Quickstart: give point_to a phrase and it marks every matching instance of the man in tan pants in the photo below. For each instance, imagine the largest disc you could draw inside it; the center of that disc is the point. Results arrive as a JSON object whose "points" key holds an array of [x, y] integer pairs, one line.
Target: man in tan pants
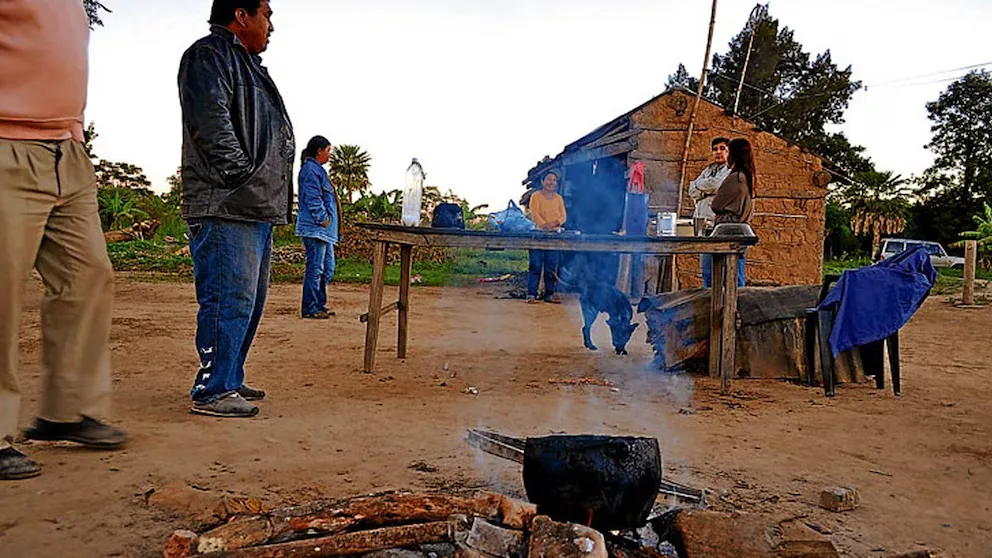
{"points": [[49, 220]]}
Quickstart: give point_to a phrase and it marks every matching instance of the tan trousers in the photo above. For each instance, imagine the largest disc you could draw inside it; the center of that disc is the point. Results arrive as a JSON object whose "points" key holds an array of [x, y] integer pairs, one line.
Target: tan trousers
{"points": [[49, 220]]}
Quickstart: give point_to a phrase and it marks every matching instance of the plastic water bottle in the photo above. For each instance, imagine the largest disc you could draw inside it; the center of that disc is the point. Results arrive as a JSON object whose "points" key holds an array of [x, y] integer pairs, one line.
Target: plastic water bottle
{"points": [[413, 194]]}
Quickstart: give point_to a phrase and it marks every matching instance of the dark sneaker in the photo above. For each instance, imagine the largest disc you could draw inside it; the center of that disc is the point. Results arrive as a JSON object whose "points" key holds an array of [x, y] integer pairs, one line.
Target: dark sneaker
{"points": [[250, 393], [88, 432], [231, 405], [14, 465], [317, 316]]}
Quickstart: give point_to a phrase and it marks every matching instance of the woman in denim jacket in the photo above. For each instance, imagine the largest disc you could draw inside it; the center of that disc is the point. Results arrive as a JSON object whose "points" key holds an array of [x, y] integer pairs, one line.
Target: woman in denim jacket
{"points": [[317, 222]]}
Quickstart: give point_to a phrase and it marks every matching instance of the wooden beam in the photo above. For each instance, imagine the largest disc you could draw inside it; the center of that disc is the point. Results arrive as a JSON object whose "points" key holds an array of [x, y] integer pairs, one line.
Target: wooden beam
{"points": [[416, 236], [406, 268], [970, 261], [364, 318], [612, 150], [728, 337], [716, 315], [375, 302], [611, 139]]}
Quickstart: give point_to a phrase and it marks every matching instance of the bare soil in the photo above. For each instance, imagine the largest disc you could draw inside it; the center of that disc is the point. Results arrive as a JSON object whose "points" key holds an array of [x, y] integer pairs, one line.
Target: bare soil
{"points": [[922, 462]]}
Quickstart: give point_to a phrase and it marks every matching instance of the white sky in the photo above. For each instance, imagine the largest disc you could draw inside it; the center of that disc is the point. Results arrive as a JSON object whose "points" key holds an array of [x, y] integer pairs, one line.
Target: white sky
{"points": [[481, 90]]}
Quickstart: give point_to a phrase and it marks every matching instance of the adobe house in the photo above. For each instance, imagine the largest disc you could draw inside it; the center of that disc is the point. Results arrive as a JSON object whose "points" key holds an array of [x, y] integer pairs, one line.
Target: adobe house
{"points": [[790, 197]]}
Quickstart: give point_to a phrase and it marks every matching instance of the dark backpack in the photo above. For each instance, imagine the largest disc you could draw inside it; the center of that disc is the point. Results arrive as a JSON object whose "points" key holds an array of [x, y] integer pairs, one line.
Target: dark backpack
{"points": [[448, 216]]}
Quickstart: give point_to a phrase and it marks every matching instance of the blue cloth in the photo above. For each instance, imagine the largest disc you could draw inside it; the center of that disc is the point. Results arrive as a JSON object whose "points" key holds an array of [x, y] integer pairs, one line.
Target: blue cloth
{"points": [[706, 264], [231, 263], [546, 261], [873, 302], [319, 272], [636, 216], [317, 203]]}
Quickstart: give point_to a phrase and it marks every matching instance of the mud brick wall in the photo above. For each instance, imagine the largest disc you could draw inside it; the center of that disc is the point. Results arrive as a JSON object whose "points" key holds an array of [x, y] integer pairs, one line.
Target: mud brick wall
{"points": [[790, 209]]}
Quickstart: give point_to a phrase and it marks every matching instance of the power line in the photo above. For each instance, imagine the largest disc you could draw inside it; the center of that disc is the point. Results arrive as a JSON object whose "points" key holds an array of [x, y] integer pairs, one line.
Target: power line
{"points": [[931, 74]]}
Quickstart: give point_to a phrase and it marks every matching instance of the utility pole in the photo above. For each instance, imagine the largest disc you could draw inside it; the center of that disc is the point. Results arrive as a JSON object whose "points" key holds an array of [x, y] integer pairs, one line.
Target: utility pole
{"points": [[752, 23]]}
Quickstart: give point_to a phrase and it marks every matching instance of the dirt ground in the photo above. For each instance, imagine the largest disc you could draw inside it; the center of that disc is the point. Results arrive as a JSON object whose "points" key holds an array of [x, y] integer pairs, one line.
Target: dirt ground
{"points": [[922, 463]]}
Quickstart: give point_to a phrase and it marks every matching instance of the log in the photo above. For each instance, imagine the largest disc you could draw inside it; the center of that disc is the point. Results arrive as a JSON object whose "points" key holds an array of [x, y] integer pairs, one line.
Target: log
{"points": [[970, 258], [388, 509], [236, 534], [349, 544]]}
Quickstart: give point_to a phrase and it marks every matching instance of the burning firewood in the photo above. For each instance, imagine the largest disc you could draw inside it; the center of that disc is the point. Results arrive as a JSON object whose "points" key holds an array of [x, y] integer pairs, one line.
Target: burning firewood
{"points": [[348, 544], [390, 509]]}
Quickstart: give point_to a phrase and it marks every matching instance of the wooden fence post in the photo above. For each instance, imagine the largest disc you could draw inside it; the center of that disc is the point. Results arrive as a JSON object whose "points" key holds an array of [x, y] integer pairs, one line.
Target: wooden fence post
{"points": [[970, 260]]}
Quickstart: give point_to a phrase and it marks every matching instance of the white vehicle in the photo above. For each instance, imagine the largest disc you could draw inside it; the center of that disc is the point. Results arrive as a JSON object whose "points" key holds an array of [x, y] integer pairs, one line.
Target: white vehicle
{"points": [[938, 256]]}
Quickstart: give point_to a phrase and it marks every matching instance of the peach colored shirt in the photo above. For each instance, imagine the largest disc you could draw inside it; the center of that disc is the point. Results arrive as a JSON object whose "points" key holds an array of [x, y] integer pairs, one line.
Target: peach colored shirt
{"points": [[544, 210], [44, 69]]}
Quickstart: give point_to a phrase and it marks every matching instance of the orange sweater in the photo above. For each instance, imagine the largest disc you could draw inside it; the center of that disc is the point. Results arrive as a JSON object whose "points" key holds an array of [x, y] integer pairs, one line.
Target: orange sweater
{"points": [[544, 211], [43, 69]]}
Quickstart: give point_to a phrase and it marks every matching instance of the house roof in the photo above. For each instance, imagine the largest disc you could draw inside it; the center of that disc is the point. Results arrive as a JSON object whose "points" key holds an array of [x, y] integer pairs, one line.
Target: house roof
{"points": [[622, 123]]}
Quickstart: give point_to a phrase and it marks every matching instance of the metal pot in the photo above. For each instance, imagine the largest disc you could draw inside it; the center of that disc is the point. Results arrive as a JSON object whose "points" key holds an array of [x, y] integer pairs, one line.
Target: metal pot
{"points": [[608, 482]]}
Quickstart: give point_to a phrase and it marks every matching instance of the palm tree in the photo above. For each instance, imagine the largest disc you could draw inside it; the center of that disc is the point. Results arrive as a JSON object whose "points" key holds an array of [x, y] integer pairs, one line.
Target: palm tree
{"points": [[349, 171], [878, 202], [982, 234]]}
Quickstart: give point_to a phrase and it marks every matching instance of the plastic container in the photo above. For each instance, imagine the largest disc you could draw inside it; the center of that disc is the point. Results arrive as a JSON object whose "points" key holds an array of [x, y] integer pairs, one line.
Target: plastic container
{"points": [[413, 194], [666, 224]]}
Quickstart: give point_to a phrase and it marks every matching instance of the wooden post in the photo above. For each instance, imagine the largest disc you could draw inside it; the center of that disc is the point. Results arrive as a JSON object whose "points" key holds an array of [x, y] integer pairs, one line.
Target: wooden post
{"points": [[375, 303], [406, 268], [970, 261], [728, 343], [716, 314]]}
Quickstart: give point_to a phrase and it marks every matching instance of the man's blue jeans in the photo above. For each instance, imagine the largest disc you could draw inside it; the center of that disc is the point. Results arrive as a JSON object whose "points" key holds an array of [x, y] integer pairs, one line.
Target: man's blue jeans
{"points": [[706, 263], [545, 261], [319, 272], [231, 264]]}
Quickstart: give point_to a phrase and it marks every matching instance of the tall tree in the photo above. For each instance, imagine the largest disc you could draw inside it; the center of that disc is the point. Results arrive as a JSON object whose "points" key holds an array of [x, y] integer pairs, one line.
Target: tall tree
{"points": [[174, 197], [93, 9], [786, 90], [122, 175], [960, 179], [349, 171]]}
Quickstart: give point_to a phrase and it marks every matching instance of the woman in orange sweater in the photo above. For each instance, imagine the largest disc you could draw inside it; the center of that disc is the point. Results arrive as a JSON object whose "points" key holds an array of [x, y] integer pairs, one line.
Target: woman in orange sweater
{"points": [[547, 209]]}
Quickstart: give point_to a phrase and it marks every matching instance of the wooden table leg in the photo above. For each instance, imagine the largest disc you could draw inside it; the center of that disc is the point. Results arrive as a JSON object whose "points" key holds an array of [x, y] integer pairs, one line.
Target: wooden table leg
{"points": [[716, 315], [728, 343], [375, 303], [406, 269]]}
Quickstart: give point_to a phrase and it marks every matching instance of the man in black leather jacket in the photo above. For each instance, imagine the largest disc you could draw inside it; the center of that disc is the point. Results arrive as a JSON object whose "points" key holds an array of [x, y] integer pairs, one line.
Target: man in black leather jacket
{"points": [[237, 165]]}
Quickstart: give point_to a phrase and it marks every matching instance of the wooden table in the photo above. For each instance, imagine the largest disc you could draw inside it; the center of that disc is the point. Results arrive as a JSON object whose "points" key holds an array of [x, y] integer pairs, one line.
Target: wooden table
{"points": [[726, 251]]}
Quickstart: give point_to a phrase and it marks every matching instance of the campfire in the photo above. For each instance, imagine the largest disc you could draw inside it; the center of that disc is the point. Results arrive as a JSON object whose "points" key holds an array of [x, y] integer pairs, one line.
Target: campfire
{"points": [[590, 497]]}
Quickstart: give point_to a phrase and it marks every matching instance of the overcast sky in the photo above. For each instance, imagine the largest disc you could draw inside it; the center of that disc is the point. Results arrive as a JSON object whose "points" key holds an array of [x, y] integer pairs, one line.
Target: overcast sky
{"points": [[481, 90]]}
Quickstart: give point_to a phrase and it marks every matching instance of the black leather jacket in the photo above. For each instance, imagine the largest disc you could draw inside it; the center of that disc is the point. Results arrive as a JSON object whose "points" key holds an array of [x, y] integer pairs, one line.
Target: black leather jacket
{"points": [[238, 147]]}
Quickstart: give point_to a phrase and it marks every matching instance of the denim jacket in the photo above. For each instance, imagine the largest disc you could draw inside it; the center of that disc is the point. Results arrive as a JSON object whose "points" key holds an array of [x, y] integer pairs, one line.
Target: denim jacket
{"points": [[317, 203]]}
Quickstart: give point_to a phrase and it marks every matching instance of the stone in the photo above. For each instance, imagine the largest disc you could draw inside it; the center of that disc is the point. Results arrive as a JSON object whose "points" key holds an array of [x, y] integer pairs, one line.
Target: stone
{"points": [[181, 543], [840, 499], [200, 508], [550, 539], [440, 550], [495, 541], [700, 534], [516, 514]]}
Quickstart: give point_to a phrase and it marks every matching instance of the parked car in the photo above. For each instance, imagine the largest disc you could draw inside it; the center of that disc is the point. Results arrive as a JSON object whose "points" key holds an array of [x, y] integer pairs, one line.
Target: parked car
{"points": [[938, 256]]}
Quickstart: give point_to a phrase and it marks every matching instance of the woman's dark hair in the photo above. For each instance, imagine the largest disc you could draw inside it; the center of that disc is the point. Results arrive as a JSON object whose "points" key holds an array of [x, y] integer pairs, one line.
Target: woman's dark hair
{"points": [[741, 159], [549, 173], [315, 144], [222, 12]]}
